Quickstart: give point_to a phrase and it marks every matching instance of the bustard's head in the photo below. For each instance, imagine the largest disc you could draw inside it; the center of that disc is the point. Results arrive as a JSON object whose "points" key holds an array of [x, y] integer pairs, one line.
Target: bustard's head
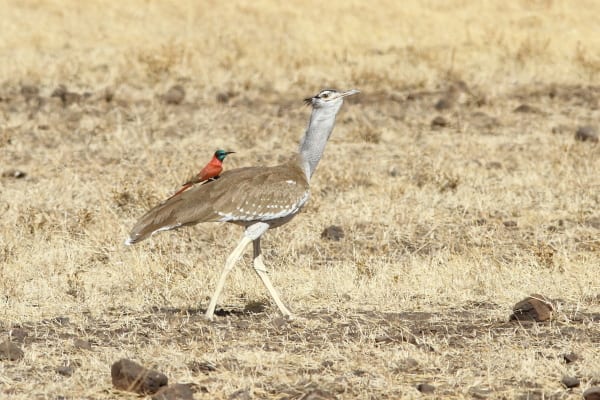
{"points": [[329, 98], [221, 154]]}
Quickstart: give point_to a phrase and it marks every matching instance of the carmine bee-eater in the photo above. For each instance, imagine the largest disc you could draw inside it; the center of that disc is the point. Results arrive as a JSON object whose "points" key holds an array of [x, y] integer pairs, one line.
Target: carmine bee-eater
{"points": [[210, 171]]}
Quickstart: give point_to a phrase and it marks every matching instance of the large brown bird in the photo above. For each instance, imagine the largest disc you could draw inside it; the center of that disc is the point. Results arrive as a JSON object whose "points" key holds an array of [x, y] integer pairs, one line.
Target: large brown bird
{"points": [[257, 198]]}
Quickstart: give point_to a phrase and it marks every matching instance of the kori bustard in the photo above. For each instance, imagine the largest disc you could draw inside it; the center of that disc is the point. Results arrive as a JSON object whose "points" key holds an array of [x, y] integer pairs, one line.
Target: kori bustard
{"points": [[257, 198]]}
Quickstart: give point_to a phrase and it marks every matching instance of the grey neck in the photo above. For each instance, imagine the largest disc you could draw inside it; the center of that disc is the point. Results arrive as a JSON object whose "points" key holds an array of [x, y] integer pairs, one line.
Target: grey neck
{"points": [[320, 126]]}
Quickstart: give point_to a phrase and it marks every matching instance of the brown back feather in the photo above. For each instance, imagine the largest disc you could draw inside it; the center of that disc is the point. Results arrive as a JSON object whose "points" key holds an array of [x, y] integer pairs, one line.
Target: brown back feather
{"points": [[242, 194]]}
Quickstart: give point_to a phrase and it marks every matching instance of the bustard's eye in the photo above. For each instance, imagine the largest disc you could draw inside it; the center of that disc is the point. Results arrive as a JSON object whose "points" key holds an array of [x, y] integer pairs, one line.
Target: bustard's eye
{"points": [[325, 95]]}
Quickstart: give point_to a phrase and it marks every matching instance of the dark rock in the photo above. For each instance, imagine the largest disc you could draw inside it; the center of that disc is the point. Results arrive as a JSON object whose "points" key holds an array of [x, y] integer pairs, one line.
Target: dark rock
{"points": [[493, 165], [82, 344], [178, 391], [29, 91], [10, 351], [425, 388], [14, 173], [534, 308], [480, 392], [242, 394], [202, 366], [570, 381], [570, 357], [255, 307], [17, 334], [592, 393], [587, 134], [526, 108], [444, 103], [175, 95], [333, 232], [510, 224], [130, 376], [224, 97], [65, 370], [65, 96], [439, 122]]}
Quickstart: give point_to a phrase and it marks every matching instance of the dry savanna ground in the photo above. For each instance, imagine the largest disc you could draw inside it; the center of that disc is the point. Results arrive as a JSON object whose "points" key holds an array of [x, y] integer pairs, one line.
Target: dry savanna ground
{"points": [[456, 178]]}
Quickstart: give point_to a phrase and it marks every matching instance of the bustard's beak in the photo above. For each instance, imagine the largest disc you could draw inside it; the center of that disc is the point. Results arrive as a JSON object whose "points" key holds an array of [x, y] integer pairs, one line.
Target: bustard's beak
{"points": [[350, 92]]}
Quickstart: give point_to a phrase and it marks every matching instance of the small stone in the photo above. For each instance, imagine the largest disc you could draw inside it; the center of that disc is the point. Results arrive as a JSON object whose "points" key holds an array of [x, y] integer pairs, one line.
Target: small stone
{"points": [[14, 173], [592, 393], [510, 224], [425, 388], [17, 334], [526, 108], [570, 381], [241, 394], [439, 122], [444, 104], [175, 95], [255, 307], [493, 165], [333, 232], [82, 344], [587, 134], [202, 366], [10, 351], [570, 357], [29, 91], [130, 376], [178, 391], [393, 171], [222, 97], [534, 308], [65, 370]]}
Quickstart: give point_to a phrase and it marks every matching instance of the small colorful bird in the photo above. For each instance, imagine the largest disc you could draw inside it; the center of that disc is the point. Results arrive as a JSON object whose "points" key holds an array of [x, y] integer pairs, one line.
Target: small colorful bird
{"points": [[210, 171]]}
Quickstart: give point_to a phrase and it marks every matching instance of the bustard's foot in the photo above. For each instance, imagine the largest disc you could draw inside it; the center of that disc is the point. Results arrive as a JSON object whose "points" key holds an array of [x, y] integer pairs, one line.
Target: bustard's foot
{"points": [[209, 316]]}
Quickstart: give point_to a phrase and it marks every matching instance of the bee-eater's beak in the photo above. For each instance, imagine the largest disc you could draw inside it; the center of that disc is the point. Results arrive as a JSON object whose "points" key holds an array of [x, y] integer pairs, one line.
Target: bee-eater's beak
{"points": [[229, 152]]}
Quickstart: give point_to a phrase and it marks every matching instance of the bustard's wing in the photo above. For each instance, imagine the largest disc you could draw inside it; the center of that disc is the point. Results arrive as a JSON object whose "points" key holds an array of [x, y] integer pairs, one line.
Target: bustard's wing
{"points": [[239, 195]]}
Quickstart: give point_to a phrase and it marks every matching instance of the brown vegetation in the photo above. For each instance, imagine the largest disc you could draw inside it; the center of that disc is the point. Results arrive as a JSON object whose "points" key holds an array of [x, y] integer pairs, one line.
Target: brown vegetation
{"points": [[457, 179]]}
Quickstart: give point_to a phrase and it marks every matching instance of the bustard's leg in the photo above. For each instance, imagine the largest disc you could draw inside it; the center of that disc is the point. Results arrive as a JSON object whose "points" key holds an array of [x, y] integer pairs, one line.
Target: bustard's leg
{"points": [[261, 270], [233, 257]]}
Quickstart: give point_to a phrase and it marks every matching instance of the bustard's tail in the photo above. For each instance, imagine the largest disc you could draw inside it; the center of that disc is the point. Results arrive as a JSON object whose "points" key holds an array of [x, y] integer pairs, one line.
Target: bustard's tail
{"points": [[177, 211]]}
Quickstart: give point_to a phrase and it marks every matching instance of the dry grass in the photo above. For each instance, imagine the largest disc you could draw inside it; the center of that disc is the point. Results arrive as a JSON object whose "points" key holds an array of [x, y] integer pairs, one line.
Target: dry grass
{"points": [[445, 228]]}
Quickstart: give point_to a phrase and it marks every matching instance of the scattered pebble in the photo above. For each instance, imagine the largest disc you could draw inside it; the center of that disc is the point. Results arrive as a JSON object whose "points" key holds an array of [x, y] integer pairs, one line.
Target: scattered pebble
{"points": [[425, 388], [17, 335], [130, 376], [14, 173], [65, 96], [29, 91], [570, 381], [202, 366], [444, 104], [533, 308], [587, 134], [592, 393], [510, 224], [526, 108], [255, 307], [65, 370], [570, 357], [439, 122], [174, 95], [333, 232], [178, 391], [10, 351]]}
